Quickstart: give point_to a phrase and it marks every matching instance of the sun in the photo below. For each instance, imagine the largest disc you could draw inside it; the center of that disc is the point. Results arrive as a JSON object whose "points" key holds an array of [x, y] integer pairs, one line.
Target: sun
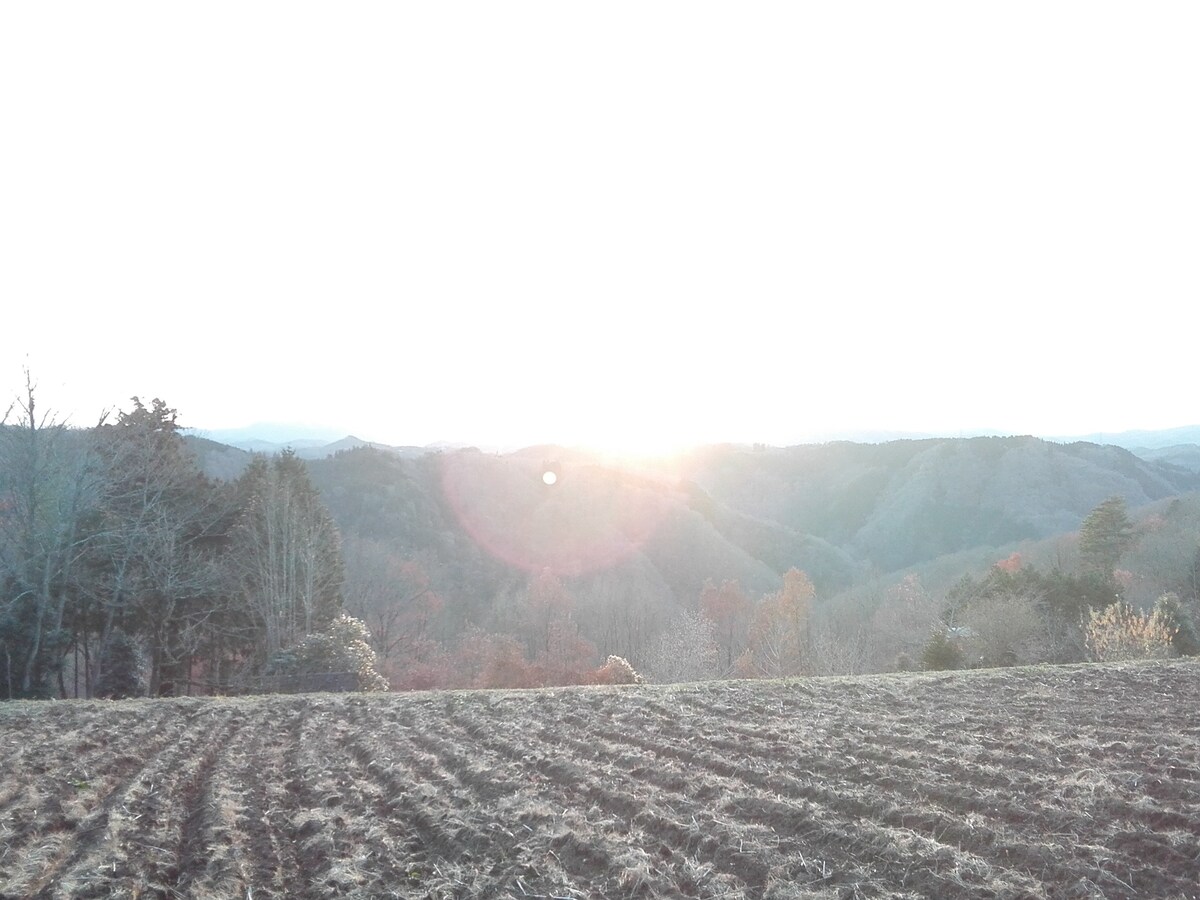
{"points": [[635, 434], [625, 425], [635, 446]]}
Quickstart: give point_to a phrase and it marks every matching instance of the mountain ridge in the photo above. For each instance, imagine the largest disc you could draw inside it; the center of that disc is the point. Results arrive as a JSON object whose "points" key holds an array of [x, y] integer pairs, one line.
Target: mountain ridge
{"points": [[636, 545], [272, 437], [838, 511]]}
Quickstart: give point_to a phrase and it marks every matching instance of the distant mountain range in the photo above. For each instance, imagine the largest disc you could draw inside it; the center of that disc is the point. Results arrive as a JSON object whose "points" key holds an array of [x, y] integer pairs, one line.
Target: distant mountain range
{"points": [[1185, 456], [281, 434], [1171, 446], [842, 511], [251, 440], [1144, 440]]}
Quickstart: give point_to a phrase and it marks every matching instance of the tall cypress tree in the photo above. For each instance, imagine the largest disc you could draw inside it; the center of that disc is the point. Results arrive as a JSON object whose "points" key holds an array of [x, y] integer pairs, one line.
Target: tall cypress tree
{"points": [[159, 515], [1105, 535]]}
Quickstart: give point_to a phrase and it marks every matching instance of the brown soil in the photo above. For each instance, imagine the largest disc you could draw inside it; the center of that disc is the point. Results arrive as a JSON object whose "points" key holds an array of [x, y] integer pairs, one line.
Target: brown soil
{"points": [[1072, 782]]}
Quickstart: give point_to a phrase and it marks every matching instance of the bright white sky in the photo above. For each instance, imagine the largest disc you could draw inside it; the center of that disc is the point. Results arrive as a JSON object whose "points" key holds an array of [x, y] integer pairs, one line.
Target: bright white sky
{"points": [[637, 225]]}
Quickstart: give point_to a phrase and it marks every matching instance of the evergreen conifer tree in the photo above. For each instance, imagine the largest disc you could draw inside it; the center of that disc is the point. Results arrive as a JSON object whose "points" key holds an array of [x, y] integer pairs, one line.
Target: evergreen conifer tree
{"points": [[1105, 535]]}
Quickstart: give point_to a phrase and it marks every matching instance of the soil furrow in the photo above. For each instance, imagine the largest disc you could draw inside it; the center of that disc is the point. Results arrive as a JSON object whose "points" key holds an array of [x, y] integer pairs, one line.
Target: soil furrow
{"points": [[704, 838], [840, 809], [1003, 784], [136, 846], [423, 780], [71, 813], [222, 853]]}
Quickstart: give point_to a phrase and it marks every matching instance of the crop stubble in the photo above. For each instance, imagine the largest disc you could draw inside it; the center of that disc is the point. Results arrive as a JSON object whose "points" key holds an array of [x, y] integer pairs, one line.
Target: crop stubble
{"points": [[1058, 782]]}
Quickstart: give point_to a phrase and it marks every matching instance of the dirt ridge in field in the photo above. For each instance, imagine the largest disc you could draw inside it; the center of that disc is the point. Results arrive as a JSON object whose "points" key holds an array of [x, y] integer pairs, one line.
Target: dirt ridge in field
{"points": [[1071, 782]]}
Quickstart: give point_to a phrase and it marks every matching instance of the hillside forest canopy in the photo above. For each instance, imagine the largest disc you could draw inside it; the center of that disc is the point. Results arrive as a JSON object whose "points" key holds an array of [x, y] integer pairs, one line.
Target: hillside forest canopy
{"points": [[135, 559]]}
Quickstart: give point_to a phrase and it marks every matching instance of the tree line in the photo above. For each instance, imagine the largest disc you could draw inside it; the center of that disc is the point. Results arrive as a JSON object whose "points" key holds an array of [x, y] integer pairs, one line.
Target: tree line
{"points": [[124, 570]]}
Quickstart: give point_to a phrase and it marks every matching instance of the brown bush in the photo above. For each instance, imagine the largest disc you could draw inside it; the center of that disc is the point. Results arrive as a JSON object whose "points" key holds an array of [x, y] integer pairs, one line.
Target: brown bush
{"points": [[616, 670], [1117, 633]]}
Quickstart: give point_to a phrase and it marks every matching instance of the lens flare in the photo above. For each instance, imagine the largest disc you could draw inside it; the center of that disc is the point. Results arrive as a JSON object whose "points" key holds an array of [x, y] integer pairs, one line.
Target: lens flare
{"points": [[593, 520]]}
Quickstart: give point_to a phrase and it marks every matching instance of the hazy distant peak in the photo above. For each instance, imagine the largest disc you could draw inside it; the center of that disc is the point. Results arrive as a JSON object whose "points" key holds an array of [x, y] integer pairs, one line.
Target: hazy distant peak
{"points": [[1142, 439], [278, 434]]}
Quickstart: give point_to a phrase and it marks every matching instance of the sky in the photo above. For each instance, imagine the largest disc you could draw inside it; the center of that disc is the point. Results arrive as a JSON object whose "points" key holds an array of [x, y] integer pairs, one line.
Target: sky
{"points": [[633, 226]]}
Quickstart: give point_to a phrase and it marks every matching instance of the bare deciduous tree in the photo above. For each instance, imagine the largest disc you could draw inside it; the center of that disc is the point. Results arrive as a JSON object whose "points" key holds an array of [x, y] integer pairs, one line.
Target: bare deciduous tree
{"points": [[686, 650], [392, 595], [49, 487], [288, 555]]}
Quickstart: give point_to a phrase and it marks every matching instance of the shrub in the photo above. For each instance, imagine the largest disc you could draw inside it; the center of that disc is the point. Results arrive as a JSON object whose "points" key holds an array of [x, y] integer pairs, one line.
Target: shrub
{"points": [[505, 666], [617, 670], [941, 652], [120, 668], [486, 660], [342, 647], [1003, 630], [426, 666], [1180, 621], [1117, 632]]}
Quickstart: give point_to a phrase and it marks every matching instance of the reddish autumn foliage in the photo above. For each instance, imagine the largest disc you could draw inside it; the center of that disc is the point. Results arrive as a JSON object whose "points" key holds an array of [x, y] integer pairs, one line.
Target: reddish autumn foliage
{"points": [[1012, 564], [779, 634]]}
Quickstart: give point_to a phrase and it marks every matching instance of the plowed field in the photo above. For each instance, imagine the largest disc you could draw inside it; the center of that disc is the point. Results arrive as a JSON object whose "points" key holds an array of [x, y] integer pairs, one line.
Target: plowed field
{"points": [[1053, 782]]}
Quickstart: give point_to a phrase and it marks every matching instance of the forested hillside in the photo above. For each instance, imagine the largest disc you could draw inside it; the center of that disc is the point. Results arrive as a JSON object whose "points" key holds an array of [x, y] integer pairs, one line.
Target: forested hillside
{"points": [[901, 503], [190, 565], [636, 550], [832, 509]]}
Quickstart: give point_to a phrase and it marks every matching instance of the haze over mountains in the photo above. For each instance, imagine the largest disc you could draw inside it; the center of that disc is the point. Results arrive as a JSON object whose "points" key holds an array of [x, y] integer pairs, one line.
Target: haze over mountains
{"points": [[1142, 439], [844, 512], [316, 441]]}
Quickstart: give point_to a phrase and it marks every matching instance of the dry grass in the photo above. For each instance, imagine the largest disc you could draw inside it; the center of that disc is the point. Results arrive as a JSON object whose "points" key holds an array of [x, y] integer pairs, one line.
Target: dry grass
{"points": [[1058, 782]]}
